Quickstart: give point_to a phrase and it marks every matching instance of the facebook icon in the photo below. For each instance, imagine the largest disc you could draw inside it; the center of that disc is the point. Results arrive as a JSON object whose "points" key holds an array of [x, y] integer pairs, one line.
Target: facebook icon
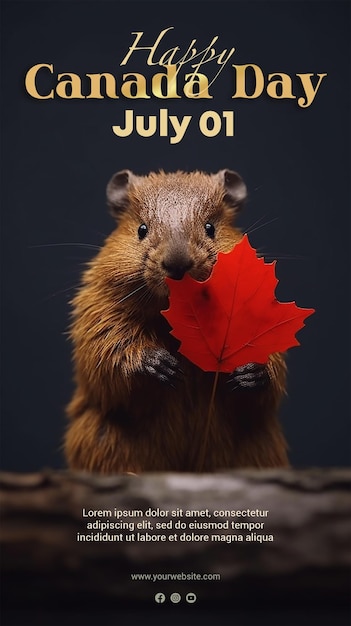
{"points": [[160, 597]]}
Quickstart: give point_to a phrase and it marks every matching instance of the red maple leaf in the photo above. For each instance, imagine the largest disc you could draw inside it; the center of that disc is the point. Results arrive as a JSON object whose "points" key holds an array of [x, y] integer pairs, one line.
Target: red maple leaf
{"points": [[233, 317]]}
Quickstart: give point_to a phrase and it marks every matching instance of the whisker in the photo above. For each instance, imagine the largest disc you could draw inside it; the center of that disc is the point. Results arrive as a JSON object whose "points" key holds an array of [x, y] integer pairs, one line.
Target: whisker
{"points": [[144, 298], [252, 230], [68, 243], [132, 278], [286, 257], [61, 291], [143, 286], [256, 222]]}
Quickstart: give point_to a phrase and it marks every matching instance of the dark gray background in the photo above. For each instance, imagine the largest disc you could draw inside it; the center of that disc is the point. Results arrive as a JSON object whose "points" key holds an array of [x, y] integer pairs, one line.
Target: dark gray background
{"points": [[58, 156]]}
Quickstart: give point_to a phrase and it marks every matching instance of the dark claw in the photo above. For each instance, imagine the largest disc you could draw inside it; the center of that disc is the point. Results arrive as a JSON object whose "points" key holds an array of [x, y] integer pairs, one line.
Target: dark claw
{"points": [[249, 376], [162, 365]]}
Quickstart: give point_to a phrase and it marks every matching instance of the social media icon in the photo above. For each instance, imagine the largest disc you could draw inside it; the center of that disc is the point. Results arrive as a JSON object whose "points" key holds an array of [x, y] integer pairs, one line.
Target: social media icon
{"points": [[160, 598], [175, 598], [190, 597]]}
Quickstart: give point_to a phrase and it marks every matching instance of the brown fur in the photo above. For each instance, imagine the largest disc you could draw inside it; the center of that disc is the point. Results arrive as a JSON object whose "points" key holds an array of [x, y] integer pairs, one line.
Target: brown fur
{"points": [[122, 419]]}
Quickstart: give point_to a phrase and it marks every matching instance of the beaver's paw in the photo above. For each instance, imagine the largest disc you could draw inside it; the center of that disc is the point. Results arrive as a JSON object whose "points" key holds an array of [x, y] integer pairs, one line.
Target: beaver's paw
{"points": [[249, 376], [162, 365]]}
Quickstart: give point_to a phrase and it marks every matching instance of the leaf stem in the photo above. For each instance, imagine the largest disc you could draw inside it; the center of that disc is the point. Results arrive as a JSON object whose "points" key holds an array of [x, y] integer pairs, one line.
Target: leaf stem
{"points": [[203, 449]]}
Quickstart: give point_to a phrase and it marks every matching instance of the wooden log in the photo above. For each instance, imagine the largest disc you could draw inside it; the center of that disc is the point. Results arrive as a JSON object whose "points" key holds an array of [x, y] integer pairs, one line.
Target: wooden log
{"points": [[307, 557]]}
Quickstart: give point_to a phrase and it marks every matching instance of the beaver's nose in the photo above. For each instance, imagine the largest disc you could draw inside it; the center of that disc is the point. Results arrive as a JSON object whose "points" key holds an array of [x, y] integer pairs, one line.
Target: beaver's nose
{"points": [[176, 267]]}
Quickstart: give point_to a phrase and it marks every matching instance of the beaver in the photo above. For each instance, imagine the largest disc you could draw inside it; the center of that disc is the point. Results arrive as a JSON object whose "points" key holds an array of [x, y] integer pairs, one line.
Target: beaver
{"points": [[138, 404]]}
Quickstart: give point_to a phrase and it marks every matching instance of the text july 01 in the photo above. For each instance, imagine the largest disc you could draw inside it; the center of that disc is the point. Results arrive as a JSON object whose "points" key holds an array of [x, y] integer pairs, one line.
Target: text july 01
{"points": [[163, 124]]}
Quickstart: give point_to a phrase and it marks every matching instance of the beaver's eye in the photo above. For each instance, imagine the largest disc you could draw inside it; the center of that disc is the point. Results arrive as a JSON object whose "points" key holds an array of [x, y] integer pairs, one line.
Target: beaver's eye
{"points": [[210, 230], [142, 231]]}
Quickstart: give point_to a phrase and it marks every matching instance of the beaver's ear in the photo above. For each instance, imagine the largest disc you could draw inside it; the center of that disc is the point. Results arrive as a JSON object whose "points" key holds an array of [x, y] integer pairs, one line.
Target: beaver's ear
{"points": [[235, 188], [118, 191]]}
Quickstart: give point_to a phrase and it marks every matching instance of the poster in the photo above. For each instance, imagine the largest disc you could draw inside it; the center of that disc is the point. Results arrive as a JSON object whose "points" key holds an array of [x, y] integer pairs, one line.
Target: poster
{"points": [[273, 106]]}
